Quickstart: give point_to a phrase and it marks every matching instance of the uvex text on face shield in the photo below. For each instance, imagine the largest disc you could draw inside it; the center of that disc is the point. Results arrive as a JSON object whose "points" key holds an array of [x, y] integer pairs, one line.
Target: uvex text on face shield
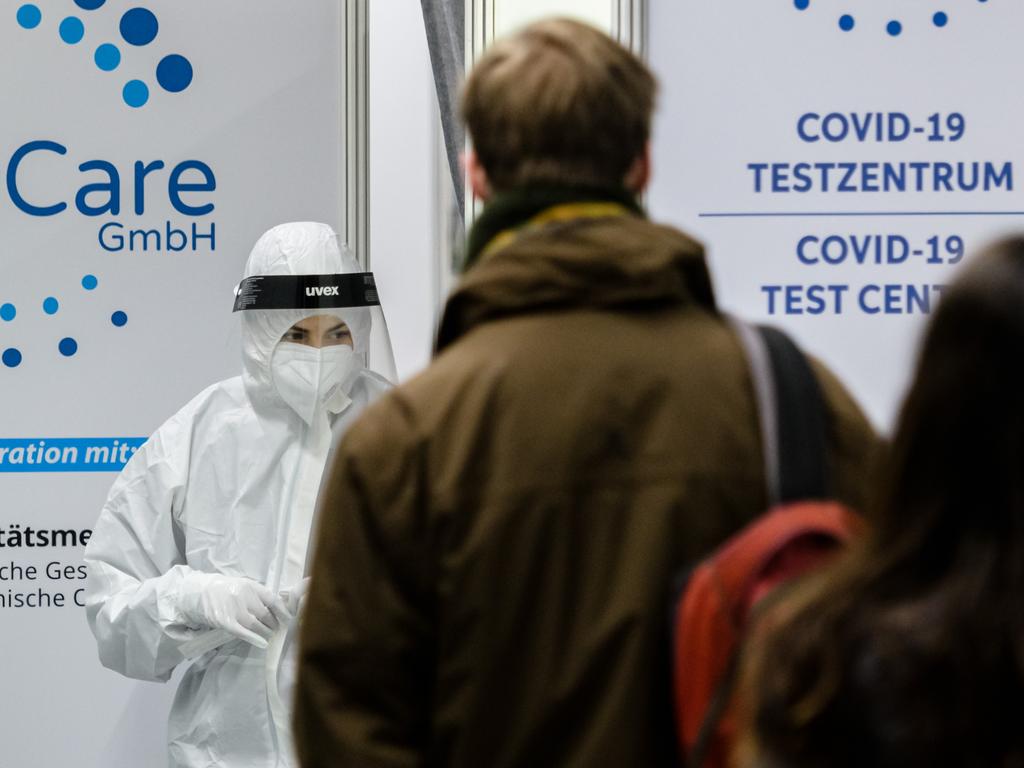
{"points": [[307, 292]]}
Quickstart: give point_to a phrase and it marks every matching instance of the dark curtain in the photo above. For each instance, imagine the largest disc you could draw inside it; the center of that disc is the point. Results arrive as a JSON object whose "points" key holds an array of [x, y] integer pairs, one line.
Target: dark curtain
{"points": [[445, 22]]}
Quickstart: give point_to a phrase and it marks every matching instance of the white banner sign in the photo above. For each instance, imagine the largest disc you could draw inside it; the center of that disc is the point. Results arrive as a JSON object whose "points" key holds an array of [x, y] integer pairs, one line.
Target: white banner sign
{"points": [[143, 148], [839, 159]]}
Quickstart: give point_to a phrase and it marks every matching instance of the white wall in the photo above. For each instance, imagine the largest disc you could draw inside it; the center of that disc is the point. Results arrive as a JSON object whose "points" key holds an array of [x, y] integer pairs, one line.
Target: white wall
{"points": [[402, 136], [512, 14]]}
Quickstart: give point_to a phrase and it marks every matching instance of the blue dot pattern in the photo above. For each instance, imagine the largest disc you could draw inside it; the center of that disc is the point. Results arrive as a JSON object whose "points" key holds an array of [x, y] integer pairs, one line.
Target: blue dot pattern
{"points": [[12, 357], [107, 57], [174, 73], [72, 30], [68, 346], [139, 26], [136, 93], [894, 28], [29, 16]]}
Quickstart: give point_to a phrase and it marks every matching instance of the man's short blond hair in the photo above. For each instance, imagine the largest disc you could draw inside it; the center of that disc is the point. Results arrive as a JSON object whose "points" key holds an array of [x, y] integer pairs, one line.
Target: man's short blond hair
{"points": [[558, 103]]}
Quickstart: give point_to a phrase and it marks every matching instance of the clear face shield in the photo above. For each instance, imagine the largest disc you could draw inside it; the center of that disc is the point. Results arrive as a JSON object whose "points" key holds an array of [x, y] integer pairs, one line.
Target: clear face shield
{"points": [[327, 331]]}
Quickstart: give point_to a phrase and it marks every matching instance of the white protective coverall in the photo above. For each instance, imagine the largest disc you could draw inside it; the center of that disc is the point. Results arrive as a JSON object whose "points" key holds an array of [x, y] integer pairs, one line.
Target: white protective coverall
{"points": [[226, 486]]}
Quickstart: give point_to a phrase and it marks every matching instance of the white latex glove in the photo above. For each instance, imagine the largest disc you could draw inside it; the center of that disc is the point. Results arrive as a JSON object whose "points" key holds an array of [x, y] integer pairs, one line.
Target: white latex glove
{"points": [[295, 598], [241, 607]]}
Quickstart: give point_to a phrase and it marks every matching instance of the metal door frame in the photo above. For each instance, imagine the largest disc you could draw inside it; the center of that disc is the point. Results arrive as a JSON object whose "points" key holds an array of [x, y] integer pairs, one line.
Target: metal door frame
{"points": [[355, 105]]}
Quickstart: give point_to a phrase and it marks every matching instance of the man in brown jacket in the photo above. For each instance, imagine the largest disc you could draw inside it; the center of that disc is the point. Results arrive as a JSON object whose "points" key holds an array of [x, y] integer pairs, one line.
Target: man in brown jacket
{"points": [[500, 535]]}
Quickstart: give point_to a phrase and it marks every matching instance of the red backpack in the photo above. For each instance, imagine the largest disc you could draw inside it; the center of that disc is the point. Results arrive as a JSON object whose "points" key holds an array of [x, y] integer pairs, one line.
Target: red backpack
{"points": [[799, 533]]}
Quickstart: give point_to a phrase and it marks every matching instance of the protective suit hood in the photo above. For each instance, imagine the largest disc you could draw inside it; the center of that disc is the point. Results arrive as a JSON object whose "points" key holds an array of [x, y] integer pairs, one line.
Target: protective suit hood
{"points": [[301, 248]]}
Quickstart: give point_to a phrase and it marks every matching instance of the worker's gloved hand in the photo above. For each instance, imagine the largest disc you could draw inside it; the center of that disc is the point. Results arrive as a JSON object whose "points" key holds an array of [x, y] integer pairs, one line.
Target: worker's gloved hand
{"points": [[240, 606], [295, 598]]}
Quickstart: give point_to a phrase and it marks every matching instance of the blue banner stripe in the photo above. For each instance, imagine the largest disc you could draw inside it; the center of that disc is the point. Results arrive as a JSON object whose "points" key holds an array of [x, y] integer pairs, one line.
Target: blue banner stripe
{"points": [[67, 454]]}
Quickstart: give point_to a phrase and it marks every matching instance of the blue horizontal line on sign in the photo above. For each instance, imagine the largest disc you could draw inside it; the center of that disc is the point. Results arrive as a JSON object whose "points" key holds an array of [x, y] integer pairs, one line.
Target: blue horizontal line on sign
{"points": [[811, 214], [67, 454]]}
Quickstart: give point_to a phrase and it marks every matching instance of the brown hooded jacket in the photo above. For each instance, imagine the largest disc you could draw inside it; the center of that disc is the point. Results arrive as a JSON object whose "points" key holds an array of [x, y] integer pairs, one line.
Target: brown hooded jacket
{"points": [[499, 536]]}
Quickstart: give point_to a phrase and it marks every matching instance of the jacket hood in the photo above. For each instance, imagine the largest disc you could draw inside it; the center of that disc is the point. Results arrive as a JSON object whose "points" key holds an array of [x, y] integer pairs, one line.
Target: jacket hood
{"points": [[597, 263], [301, 248]]}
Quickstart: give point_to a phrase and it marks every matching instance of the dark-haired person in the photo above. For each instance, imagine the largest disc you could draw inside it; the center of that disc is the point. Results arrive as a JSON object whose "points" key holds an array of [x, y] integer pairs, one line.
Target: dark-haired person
{"points": [[910, 652], [499, 537]]}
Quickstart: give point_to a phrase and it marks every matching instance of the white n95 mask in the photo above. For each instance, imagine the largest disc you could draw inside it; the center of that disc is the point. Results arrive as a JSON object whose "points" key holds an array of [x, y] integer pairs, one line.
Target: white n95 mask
{"points": [[311, 380]]}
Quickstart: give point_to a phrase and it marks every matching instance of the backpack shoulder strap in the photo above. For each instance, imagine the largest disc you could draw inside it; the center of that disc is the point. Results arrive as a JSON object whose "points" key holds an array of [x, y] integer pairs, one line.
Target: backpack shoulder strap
{"points": [[791, 414], [803, 438], [762, 376], [791, 411]]}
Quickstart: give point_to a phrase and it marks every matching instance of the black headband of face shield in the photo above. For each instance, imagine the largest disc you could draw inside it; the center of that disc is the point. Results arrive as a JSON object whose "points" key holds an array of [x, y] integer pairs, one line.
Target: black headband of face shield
{"points": [[307, 292]]}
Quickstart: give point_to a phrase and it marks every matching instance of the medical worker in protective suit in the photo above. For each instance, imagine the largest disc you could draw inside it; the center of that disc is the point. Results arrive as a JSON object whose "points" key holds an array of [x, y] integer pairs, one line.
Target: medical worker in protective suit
{"points": [[200, 551]]}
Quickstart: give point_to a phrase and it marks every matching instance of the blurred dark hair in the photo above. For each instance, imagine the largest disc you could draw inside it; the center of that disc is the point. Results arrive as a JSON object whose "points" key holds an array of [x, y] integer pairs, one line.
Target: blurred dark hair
{"points": [[910, 651]]}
